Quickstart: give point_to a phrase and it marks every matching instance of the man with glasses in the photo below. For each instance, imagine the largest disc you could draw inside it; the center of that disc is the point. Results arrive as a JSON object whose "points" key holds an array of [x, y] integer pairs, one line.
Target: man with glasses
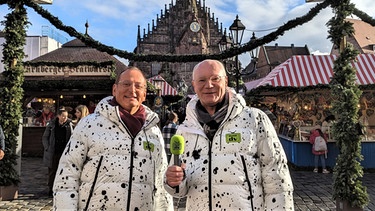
{"points": [[115, 159], [233, 159]]}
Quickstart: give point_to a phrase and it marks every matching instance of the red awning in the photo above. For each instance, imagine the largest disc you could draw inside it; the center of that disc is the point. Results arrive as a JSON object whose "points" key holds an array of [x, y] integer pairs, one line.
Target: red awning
{"points": [[166, 88], [310, 70]]}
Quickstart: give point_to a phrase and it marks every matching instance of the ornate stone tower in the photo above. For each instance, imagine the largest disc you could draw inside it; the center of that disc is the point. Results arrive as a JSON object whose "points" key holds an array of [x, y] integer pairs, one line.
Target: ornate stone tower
{"points": [[185, 27]]}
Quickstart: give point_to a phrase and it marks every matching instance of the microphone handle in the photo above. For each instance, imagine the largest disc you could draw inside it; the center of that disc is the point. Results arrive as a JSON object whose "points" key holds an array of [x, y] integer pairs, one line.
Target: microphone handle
{"points": [[177, 162]]}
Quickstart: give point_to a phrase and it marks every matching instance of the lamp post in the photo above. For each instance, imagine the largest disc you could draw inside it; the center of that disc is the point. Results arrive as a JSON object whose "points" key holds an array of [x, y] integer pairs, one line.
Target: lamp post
{"points": [[237, 30], [254, 54]]}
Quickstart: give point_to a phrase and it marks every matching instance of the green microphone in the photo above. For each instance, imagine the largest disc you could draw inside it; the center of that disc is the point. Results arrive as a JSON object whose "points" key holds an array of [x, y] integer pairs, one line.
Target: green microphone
{"points": [[177, 146]]}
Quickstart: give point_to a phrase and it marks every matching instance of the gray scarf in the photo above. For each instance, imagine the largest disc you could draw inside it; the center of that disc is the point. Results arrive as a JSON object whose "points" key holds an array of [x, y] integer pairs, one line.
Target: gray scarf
{"points": [[210, 123]]}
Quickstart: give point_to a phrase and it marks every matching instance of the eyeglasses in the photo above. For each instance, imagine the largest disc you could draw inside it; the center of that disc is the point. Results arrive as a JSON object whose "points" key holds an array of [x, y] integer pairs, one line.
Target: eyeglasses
{"points": [[213, 79], [128, 84]]}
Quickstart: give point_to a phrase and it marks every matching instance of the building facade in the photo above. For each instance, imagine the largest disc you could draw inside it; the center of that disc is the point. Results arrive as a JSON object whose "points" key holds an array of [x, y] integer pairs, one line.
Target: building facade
{"points": [[35, 46], [183, 27]]}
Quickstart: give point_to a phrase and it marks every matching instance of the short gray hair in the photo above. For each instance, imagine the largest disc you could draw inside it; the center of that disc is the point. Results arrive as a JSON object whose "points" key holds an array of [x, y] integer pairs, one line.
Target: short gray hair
{"points": [[222, 67]]}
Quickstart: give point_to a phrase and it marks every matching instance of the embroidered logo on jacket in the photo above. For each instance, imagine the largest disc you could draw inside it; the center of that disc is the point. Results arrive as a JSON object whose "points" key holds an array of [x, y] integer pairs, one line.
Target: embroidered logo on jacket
{"points": [[148, 146], [233, 137]]}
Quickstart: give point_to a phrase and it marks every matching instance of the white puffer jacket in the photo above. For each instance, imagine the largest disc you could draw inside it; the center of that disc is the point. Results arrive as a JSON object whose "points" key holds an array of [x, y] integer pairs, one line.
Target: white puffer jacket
{"points": [[94, 171], [243, 168]]}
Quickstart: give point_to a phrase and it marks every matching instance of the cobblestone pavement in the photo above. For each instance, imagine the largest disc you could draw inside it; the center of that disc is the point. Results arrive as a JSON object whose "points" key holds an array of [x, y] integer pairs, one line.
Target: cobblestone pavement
{"points": [[313, 191]]}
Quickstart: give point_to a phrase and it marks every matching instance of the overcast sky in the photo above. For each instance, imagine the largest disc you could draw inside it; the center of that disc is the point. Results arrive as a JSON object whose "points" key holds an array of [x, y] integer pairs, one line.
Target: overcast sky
{"points": [[115, 22]]}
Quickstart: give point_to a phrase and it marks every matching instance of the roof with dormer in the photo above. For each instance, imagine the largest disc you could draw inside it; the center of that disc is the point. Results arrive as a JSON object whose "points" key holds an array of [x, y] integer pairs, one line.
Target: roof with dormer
{"points": [[363, 39]]}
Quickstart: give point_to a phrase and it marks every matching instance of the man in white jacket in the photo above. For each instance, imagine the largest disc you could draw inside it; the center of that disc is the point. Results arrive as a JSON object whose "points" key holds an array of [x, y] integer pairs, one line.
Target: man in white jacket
{"points": [[115, 159], [233, 159]]}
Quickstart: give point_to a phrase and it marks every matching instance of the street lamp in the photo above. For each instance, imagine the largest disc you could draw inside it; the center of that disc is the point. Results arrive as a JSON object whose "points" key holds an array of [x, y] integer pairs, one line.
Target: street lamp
{"points": [[237, 29], [254, 56], [225, 43]]}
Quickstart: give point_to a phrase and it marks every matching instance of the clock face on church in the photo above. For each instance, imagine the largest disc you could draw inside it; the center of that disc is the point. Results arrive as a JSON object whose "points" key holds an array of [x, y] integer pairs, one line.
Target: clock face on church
{"points": [[194, 26]]}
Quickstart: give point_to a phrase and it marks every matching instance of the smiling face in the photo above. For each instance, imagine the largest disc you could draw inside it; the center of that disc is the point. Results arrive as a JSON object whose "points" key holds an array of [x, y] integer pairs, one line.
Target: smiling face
{"points": [[210, 83], [130, 89]]}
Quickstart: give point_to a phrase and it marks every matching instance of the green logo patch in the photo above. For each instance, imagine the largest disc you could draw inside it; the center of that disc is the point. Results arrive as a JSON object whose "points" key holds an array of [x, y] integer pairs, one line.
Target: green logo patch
{"points": [[148, 146], [233, 137]]}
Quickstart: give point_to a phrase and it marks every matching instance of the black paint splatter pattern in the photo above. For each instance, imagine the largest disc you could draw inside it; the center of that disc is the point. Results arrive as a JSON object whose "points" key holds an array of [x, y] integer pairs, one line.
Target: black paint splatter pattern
{"points": [[101, 135], [259, 152]]}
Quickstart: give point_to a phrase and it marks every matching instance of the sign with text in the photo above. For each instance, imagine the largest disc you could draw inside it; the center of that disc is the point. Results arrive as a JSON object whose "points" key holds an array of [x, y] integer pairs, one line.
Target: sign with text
{"points": [[82, 70]]}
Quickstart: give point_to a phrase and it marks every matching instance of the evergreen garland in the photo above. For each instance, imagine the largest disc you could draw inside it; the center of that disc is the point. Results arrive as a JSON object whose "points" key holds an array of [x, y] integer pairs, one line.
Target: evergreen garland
{"points": [[347, 185], [178, 58], [348, 170], [11, 92]]}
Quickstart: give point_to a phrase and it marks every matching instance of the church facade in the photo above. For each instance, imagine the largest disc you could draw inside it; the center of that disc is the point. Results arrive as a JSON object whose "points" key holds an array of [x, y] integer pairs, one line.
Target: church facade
{"points": [[184, 27]]}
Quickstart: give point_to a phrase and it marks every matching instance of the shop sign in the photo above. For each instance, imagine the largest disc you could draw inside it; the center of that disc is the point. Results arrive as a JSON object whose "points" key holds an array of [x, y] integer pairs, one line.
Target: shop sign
{"points": [[82, 70], [158, 102]]}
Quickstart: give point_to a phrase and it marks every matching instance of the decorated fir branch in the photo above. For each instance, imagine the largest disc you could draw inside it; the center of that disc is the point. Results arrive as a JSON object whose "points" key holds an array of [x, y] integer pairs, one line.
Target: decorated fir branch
{"points": [[348, 171], [188, 58], [11, 91], [179, 58]]}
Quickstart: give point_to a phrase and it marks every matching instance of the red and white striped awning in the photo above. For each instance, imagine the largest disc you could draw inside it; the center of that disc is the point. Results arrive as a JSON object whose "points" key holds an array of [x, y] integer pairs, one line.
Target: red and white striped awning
{"points": [[252, 84], [310, 70], [166, 88]]}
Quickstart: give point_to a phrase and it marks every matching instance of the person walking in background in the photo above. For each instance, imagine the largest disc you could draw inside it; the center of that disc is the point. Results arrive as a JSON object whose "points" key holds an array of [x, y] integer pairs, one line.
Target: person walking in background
{"points": [[55, 138], [233, 159], [45, 116], [169, 130], [91, 106], [2, 143], [115, 159], [80, 112], [322, 154]]}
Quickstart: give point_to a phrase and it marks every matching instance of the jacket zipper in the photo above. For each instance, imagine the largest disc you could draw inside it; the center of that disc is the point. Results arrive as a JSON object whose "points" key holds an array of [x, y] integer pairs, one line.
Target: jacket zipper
{"points": [[94, 182], [130, 174], [209, 175], [210, 163], [131, 160], [248, 181]]}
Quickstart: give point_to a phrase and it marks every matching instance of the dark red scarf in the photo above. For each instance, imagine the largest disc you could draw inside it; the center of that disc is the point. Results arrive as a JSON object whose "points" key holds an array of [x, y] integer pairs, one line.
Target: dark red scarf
{"points": [[133, 122]]}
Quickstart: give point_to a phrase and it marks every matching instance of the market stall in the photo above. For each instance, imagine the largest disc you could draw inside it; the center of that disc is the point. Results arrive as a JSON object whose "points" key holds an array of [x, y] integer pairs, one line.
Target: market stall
{"points": [[299, 95], [67, 77]]}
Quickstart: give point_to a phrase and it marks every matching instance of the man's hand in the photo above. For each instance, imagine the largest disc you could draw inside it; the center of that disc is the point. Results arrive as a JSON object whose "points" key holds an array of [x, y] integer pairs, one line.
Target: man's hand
{"points": [[175, 175], [1, 154]]}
